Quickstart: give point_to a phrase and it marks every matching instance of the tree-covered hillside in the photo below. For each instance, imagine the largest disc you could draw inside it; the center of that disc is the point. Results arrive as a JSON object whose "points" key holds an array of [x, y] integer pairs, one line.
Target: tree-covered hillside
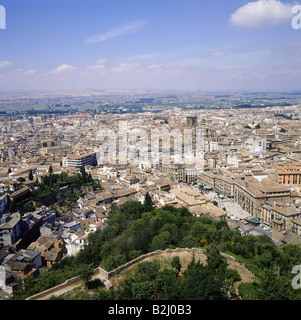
{"points": [[133, 230]]}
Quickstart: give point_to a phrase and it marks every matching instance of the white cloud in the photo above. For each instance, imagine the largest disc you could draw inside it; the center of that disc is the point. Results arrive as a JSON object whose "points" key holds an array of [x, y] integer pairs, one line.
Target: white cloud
{"points": [[63, 68], [218, 54], [5, 63], [22, 71], [101, 61], [31, 71], [262, 12], [125, 67], [117, 32], [155, 66], [98, 65]]}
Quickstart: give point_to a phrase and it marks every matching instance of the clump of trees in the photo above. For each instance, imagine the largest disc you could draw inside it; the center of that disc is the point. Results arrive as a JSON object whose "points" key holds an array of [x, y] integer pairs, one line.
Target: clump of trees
{"points": [[198, 282], [52, 185], [54, 182]]}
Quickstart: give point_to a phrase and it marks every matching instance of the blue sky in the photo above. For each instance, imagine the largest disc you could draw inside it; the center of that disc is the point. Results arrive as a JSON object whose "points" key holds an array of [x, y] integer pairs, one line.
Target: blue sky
{"points": [[149, 44]]}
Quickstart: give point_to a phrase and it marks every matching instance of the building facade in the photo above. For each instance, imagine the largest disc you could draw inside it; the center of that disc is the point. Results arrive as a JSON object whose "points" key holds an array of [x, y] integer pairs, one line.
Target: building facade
{"points": [[289, 175], [10, 229], [224, 186], [253, 199], [206, 179], [77, 160]]}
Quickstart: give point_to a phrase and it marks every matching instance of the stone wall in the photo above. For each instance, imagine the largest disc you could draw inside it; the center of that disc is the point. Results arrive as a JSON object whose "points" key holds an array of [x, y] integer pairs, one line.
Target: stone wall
{"points": [[132, 262], [54, 290]]}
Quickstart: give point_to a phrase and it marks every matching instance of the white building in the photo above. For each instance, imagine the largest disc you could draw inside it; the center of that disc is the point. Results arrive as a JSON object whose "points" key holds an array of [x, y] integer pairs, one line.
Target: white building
{"points": [[79, 160], [74, 242], [259, 144]]}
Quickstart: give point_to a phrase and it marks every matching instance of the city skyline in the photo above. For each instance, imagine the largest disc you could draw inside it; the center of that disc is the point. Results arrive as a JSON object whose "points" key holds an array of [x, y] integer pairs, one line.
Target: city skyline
{"points": [[168, 45]]}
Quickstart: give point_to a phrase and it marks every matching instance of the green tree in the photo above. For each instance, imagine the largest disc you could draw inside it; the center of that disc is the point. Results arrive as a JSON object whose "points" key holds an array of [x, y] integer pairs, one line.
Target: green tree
{"points": [[26, 288], [143, 290], [140, 235], [250, 244], [85, 273], [265, 260], [167, 285], [176, 263], [216, 263], [190, 242], [113, 261], [83, 173], [161, 241], [292, 255], [215, 203], [201, 285], [174, 231], [248, 291], [147, 271], [274, 287], [113, 208], [124, 217], [231, 276], [30, 175], [125, 289], [104, 294], [148, 202]]}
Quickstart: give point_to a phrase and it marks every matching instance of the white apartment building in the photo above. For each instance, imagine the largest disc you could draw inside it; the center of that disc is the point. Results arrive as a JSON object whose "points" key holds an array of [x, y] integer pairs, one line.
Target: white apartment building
{"points": [[79, 160]]}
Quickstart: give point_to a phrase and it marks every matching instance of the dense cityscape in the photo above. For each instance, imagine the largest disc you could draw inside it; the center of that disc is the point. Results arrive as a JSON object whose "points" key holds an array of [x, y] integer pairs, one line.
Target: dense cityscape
{"points": [[61, 183]]}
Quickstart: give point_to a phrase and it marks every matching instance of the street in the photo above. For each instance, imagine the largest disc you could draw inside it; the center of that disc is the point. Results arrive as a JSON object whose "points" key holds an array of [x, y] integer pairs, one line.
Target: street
{"points": [[235, 212]]}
